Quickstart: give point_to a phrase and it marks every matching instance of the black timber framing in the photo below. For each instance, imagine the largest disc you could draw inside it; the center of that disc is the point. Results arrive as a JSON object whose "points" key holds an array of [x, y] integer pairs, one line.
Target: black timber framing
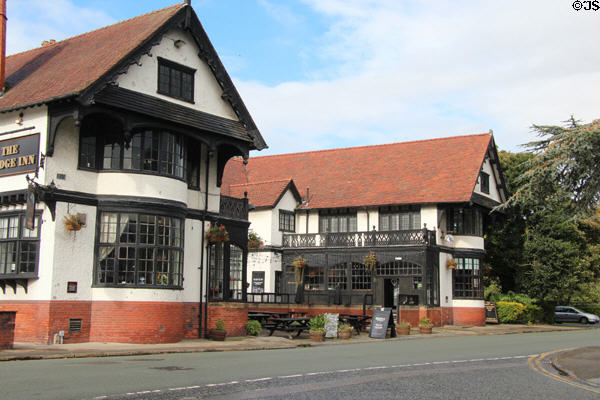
{"points": [[13, 197]]}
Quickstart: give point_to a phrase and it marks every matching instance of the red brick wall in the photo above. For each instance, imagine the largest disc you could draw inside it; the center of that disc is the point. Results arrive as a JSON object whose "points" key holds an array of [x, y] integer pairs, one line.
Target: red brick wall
{"points": [[190, 320], [447, 316], [61, 311], [469, 316], [235, 316], [32, 321], [7, 329]]}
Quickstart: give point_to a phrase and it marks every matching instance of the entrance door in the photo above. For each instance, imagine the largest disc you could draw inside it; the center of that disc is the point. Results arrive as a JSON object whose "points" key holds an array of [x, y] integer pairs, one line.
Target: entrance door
{"points": [[388, 293]]}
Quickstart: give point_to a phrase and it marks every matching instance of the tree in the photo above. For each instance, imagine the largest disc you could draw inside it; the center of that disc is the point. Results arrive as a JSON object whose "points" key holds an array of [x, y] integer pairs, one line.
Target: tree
{"points": [[566, 158]]}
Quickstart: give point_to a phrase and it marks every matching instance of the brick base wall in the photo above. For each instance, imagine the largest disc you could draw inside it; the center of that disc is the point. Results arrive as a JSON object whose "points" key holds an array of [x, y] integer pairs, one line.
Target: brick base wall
{"points": [[104, 321], [469, 316], [235, 316], [7, 329]]}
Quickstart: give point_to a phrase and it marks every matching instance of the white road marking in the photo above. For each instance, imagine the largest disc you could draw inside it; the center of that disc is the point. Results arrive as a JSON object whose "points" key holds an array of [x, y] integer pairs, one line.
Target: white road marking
{"points": [[289, 376], [259, 379]]}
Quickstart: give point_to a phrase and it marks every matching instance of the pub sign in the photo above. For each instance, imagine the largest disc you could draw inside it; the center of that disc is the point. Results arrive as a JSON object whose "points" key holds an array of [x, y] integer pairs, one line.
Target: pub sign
{"points": [[19, 155]]}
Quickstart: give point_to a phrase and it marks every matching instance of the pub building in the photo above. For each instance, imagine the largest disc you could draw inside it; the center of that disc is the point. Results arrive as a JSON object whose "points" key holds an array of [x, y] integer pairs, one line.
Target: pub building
{"points": [[398, 225], [113, 145]]}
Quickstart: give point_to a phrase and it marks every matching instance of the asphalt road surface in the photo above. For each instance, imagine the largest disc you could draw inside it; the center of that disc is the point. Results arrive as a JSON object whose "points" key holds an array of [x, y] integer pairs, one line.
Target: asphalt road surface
{"points": [[476, 367]]}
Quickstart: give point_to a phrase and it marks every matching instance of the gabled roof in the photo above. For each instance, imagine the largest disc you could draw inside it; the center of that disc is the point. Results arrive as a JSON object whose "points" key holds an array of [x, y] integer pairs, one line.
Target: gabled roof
{"points": [[420, 172], [262, 194], [81, 66]]}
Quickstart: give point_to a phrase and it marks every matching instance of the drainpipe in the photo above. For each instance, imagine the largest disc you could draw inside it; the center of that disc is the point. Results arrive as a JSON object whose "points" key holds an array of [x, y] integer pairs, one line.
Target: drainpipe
{"points": [[208, 156], [2, 45]]}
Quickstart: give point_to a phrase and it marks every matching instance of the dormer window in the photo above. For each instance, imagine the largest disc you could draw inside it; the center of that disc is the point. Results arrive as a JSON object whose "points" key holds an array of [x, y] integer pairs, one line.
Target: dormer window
{"points": [[175, 80]]}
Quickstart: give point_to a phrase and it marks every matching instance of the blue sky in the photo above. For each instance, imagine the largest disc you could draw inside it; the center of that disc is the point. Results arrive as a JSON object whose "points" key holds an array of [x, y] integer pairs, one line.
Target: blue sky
{"points": [[318, 74]]}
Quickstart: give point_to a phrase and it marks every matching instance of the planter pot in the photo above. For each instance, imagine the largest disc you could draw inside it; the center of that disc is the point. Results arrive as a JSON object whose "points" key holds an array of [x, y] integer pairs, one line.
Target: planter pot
{"points": [[403, 331], [345, 334], [317, 336], [424, 330], [217, 335]]}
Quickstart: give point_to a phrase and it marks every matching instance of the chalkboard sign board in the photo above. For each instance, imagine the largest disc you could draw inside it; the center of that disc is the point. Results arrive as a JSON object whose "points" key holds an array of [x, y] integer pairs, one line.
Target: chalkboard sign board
{"points": [[331, 325], [258, 281], [379, 322], [491, 314]]}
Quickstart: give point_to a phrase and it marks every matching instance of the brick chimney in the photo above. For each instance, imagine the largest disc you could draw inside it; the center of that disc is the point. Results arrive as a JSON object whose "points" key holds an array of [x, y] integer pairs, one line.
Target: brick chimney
{"points": [[2, 45]]}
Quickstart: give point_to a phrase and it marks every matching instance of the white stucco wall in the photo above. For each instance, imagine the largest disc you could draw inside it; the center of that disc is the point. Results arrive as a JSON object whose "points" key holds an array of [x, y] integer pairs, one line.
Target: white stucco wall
{"points": [[267, 261], [493, 194], [207, 92], [260, 223]]}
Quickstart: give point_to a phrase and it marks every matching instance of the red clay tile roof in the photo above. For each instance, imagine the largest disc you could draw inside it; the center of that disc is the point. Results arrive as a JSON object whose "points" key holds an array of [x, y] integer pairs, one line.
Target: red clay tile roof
{"points": [[260, 194], [70, 66], [429, 171]]}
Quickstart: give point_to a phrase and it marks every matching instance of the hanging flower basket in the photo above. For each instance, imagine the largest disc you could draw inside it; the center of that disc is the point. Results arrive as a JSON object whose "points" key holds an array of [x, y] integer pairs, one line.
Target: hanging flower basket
{"points": [[299, 263], [217, 234], [451, 263], [73, 222], [370, 262]]}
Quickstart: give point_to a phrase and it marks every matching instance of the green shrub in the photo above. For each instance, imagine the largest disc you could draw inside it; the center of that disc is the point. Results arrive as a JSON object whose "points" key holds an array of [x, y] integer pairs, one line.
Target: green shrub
{"points": [[317, 323], [509, 312], [253, 327], [492, 292], [220, 325], [532, 314], [425, 323]]}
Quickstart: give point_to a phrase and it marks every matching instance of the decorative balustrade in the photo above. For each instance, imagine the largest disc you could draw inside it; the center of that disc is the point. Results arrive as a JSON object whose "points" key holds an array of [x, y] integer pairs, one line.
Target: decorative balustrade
{"points": [[359, 239], [233, 207]]}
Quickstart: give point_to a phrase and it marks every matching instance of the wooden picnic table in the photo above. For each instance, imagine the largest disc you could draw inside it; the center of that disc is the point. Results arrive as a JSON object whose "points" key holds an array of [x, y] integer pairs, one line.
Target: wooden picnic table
{"points": [[357, 321], [289, 324], [264, 316]]}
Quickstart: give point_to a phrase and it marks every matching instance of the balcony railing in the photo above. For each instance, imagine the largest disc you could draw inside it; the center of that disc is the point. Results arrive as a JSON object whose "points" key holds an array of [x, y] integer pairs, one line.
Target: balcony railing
{"points": [[359, 239], [233, 207]]}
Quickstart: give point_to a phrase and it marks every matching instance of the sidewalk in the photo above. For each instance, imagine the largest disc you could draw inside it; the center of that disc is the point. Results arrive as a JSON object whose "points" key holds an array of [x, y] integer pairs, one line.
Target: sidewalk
{"points": [[582, 363], [28, 351]]}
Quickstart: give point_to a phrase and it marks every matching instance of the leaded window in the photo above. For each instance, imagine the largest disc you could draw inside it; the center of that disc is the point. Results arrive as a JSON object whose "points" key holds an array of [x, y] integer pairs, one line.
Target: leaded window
{"points": [[235, 272], [175, 80], [390, 220], [361, 278], [465, 221], [484, 182], [331, 223], [336, 276], [467, 278], [139, 250], [315, 278], [216, 268], [19, 246], [287, 221]]}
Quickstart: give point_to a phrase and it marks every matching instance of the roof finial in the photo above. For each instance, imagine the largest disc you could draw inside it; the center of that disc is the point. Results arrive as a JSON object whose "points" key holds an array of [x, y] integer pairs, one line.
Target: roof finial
{"points": [[491, 131], [188, 2]]}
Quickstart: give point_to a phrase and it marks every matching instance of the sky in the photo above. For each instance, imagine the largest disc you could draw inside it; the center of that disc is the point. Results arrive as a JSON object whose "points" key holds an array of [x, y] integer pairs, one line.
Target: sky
{"points": [[319, 74]]}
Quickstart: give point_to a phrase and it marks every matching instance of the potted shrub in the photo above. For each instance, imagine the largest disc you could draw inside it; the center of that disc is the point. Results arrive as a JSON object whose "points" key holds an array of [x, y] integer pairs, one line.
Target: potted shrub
{"points": [[317, 328], [218, 333], [370, 261], [253, 327], [345, 331], [403, 328], [254, 241], [217, 234], [425, 326]]}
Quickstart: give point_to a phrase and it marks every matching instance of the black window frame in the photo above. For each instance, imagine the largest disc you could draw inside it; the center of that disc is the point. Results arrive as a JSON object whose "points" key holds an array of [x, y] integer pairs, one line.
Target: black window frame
{"points": [[484, 182], [467, 281], [177, 73], [327, 216], [287, 221], [19, 244], [190, 155], [387, 213], [225, 281], [466, 221], [161, 279]]}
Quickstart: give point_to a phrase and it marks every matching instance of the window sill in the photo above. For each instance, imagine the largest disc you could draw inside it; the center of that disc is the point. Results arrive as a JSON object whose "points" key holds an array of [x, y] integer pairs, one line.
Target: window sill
{"points": [[130, 286]]}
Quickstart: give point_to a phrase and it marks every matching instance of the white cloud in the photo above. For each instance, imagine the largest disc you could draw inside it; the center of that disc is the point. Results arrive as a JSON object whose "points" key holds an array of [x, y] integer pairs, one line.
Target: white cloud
{"points": [[420, 69], [32, 21]]}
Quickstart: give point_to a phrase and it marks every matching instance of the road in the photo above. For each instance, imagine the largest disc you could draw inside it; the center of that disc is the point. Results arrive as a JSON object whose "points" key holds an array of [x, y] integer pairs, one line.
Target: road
{"points": [[473, 367]]}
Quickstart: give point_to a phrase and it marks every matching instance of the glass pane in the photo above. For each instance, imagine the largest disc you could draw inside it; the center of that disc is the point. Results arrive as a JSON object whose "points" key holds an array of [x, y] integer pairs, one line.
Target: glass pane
{"points": [[163, 79], [175, 88], [87, 152], [13, 227], [108, 227], [186, 86], [3, 228]]}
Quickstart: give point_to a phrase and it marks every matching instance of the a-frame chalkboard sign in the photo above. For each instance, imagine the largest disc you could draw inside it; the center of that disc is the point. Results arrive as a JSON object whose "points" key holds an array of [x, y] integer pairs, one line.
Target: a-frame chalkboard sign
{"points": [[381, 320]]}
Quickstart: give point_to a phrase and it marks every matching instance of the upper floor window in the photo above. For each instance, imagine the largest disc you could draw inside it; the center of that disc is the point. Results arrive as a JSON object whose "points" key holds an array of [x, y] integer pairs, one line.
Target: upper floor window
{"points": [[467, 278], [287, 221], [19, 246], [139, 250], [175, 80], [484, 182], [399, 220], [337, 221], [465, 221]]}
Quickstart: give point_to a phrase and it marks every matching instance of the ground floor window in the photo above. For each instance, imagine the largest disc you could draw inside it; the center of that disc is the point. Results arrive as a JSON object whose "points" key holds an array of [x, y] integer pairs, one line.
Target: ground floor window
{"points": [[226, 271], [467, 278], [19, 246], [361, 278], [139, 250]]}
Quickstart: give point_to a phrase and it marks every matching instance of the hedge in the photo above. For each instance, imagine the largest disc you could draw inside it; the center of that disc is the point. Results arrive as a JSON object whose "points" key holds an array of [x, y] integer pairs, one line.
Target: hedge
{"points": [[512, 312]]}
